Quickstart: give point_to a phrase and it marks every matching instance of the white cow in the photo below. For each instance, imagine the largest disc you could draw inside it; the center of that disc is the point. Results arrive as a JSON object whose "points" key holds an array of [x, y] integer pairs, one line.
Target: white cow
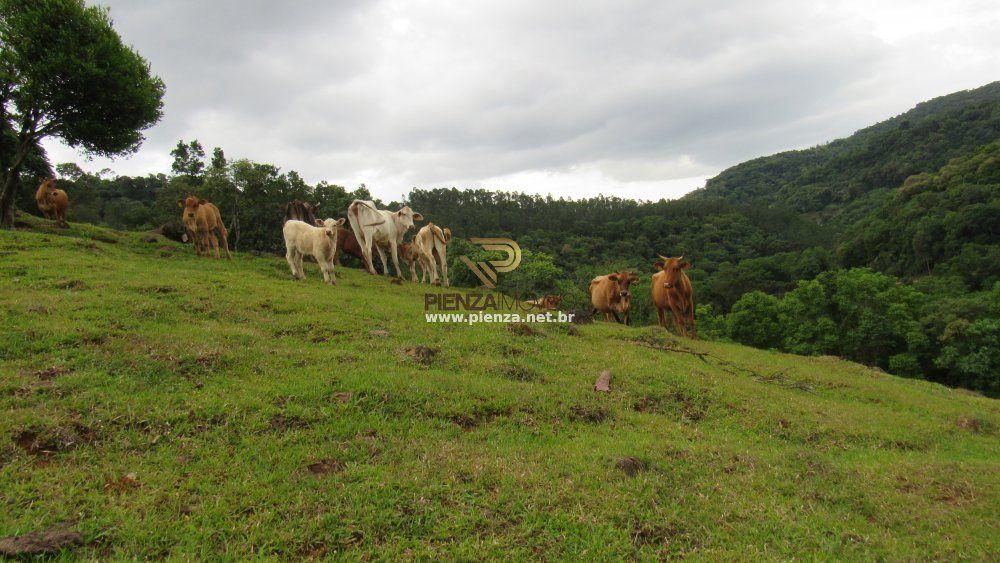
{"points": [[320, 242], [429, 243], [381, 227]]}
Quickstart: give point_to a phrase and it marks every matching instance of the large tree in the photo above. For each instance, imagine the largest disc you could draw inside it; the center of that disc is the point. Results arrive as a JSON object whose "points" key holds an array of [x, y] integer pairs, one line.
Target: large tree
{"points": [[65, 72]]}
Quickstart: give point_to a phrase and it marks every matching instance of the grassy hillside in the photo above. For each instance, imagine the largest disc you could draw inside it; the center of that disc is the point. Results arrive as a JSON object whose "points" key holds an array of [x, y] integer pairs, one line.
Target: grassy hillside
{"points": [[847, 179], [167, 405]]}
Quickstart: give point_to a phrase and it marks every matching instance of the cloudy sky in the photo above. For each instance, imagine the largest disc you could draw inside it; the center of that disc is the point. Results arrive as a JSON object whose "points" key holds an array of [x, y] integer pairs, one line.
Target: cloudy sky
{"points": [[641, 99]]}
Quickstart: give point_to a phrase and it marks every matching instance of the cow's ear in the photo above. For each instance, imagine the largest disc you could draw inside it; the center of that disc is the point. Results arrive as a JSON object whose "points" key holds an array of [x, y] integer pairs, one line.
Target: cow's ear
{"points": [[633, 277], [658, 264], [418, 217], [180, 203], [613, 277], [316, 205], [685, 265], [339, 222], [202, 201], [320, 223]]}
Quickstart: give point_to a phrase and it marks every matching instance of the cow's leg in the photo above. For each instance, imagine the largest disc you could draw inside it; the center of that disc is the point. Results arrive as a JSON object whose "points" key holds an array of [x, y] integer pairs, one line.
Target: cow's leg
{"points": [[225, 240], [429, 261], [290, 257], [617, 318], [628, 318], [366, 252], [413, 271], [381, 257], [325, 268], [678, 316], [442, 256], [659, 315], [690, 320], [215, 243], [395, 259], [298, 265]]}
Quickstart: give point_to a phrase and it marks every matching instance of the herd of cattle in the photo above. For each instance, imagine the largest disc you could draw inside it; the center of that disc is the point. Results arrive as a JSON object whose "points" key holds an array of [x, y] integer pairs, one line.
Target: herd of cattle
{"points": [[380, 230]]}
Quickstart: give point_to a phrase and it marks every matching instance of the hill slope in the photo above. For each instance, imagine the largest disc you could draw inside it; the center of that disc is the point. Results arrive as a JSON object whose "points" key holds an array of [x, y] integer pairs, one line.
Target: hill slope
{"points": [[846, 179], [168, 405]]}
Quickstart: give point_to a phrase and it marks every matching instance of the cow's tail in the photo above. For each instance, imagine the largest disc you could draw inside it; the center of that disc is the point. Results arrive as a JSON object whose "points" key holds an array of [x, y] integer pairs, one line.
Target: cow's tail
{"points": [[355, 220], [437, 234]]}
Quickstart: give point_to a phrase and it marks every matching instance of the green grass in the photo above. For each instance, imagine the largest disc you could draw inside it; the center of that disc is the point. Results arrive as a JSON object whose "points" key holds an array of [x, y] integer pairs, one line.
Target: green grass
{"points": [[218, 383]]}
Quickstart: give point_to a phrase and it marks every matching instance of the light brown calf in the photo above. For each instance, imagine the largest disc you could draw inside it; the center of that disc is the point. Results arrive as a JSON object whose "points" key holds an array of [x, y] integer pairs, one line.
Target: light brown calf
{"points": [[202, 221], [52, 202], [431, 246], [611, 295]]}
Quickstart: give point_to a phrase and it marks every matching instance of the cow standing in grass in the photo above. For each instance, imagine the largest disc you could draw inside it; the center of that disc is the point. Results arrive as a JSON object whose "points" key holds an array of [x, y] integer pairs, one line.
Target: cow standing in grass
{"points": [[52, 202], [611, 295], [431, 246], [672, 290], [378, 228], [320, 242], [204, 224]]}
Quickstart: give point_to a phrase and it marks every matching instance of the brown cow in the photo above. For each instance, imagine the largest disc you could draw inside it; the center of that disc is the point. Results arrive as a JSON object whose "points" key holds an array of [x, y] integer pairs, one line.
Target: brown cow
{"points": [[52, 202], [409, 255], [611, 295], [202, 220], [301, 211], [549, 302], [430, 245], [672, 290], [347, 243]]}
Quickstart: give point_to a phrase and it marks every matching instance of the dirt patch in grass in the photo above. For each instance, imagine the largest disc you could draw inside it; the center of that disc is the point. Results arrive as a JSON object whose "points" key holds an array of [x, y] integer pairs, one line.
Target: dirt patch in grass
{"points": [[342, 396], [591, 414], [478, 416], [282, 422], [45, 443], [666, 536], [70, 285], [37, 543], [974, 425], [40, 309], [325, 467], [378, 333], [422, 355], [51, 372], [690, 407], [122, 484], [523, 329], [161, 289], [519, 372], [631, 466]]}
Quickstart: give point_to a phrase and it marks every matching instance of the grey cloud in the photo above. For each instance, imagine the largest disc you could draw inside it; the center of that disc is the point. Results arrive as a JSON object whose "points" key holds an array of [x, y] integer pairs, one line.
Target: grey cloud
{"points": [[434, 93]]}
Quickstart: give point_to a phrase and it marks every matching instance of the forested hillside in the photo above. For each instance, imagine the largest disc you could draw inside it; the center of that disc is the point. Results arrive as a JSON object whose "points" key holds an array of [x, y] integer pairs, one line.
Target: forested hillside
{"points": [[844, 180]]}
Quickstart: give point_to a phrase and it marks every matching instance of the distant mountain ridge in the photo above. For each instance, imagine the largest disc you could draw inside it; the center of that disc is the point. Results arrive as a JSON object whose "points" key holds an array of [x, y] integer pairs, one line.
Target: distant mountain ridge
{"points": [[843, 181]]}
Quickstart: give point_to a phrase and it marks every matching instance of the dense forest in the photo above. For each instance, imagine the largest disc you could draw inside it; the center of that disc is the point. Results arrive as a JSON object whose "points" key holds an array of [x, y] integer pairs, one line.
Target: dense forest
{"points": [[881, 247]]}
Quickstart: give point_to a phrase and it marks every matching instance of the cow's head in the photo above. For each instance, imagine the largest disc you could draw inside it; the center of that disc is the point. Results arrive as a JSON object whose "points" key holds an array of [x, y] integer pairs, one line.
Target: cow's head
{"points": [[673, 267], [329, 227], [623, 282], [190, 206], [447, 237], [553, 301], [405, 218]]}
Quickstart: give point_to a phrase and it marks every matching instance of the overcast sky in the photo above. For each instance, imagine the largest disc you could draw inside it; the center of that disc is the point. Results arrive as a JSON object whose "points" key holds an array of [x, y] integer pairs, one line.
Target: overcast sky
{"points": [[642, 99]]}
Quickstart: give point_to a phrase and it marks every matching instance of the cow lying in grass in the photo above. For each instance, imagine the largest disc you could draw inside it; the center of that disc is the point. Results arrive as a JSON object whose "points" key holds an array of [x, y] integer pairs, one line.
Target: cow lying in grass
{"points": [[611, 295], [548, 302], [320, 242]]}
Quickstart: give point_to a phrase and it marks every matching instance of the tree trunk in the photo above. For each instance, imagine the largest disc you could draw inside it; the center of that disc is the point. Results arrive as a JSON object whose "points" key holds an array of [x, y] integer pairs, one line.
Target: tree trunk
{"points": [[10, 181]]}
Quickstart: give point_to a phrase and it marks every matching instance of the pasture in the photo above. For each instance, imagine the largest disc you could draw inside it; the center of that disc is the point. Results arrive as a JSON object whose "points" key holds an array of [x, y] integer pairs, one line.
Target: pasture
{"points": [[166, 405]]}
